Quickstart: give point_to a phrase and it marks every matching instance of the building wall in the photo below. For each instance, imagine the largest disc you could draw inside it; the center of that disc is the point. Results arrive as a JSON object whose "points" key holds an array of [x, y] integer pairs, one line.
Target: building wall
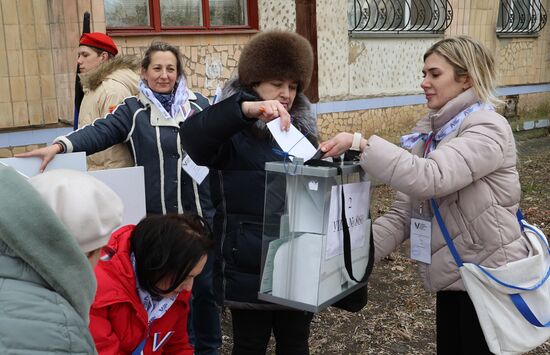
{"points": [[38, 51], [389, 123], [353, 68], [519, 60], [39, 40], [210, 60], [38, 59]]}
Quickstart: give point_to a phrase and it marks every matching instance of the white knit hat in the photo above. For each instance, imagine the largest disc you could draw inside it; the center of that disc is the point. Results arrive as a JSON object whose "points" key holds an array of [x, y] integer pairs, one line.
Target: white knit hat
{"points": [[89, 209]]}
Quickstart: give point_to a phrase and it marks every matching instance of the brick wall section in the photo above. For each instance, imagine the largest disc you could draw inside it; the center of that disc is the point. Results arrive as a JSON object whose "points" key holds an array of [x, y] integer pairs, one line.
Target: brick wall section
{"points": [[534, 106], [519, 60], [389, 123], [9, 152], [208, 61]]}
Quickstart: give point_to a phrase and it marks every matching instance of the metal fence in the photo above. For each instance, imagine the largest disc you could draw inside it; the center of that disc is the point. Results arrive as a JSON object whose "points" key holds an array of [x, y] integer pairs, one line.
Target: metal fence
{"points": [[517, 17], [399, 16]]}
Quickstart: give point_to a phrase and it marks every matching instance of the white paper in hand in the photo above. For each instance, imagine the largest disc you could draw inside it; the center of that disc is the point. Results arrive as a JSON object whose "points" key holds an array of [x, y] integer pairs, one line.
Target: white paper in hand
{"points": [[292, 141]]}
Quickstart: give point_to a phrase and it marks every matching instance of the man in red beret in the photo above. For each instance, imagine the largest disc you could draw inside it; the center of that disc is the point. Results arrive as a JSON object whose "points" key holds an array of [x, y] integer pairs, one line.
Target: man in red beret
{"points": [[98, 43], [107, 79]]}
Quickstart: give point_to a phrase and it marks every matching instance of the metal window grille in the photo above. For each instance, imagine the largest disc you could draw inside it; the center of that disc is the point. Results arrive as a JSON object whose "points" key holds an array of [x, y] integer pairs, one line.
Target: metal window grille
{"points": [[520, 17], [399, 16]]}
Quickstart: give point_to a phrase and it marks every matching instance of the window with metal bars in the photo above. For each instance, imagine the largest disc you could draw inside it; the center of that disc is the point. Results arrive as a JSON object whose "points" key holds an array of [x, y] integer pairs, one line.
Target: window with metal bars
{"points": [[520, 18], [391, 17], [146, 16]]}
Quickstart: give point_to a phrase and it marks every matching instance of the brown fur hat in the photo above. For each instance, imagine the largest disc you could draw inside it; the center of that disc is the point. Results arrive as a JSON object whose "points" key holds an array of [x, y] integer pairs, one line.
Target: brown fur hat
{"points": [[276, 55]]}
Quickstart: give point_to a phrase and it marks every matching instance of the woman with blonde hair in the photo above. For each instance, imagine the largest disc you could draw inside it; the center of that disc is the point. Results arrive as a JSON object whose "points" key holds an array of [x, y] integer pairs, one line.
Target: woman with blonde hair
{"points": [[462, 154]]}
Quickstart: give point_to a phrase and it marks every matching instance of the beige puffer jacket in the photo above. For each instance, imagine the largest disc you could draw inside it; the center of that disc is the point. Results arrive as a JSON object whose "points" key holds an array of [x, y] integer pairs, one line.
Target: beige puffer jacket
{"points": [[472, 174], [104, 88]]}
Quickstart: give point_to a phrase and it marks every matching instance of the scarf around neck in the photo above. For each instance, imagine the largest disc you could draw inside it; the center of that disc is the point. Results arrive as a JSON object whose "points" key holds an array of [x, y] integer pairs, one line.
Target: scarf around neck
{"points": [[155, 307], [168, 104], [409, 140]]}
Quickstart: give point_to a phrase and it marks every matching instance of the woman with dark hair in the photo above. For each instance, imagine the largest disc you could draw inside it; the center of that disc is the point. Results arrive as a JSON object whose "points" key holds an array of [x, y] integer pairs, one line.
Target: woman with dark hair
{"points": [[160, 258], [274, 69], [149, 124]]}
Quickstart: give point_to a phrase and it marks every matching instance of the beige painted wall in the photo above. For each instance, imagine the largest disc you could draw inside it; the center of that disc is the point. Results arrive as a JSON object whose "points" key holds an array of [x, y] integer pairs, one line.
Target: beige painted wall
{"points": [[358, 67], [352, 68], [38, 59], [38, 44]]}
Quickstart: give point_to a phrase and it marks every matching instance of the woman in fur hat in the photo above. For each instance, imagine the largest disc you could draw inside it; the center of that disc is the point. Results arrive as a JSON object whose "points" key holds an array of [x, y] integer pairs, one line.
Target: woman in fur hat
{"points": [[232, 136]]}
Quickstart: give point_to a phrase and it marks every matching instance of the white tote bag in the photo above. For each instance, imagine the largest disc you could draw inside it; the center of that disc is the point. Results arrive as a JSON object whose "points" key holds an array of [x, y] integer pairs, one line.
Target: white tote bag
{"points": [[506, 329], [512, 301]]}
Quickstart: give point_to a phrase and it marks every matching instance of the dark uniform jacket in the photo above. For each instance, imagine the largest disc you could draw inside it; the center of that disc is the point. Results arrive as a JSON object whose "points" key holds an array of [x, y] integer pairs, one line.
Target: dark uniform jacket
{"points": [[222, 138]]}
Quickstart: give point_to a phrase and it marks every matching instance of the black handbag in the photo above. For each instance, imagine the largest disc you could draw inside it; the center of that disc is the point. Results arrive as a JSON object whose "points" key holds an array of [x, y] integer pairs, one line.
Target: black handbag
{"points": [[357, 300]]}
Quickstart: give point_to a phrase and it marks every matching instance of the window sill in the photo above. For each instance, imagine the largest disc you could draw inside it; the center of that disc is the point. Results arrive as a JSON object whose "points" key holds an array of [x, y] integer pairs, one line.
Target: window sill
{"points": [[395, 34], [517, 35], [142, 33]]}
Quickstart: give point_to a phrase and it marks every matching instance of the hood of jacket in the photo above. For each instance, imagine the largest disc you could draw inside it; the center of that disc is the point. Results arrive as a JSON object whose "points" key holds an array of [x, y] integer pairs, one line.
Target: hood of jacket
{"points": [[32, 233], [302, 116], [93, 80]]}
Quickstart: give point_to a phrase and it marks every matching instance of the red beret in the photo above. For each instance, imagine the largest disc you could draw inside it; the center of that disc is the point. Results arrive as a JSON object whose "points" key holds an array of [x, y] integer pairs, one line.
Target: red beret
{"points": [[100, 41]]}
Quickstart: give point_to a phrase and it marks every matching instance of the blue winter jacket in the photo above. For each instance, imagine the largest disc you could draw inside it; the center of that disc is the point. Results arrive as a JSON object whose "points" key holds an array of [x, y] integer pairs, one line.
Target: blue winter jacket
{"points": [[155, 144]]}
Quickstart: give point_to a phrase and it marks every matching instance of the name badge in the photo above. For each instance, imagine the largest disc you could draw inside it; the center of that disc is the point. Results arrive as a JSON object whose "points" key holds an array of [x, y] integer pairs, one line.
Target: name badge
{"points": [[197, 172], [421, 240]]}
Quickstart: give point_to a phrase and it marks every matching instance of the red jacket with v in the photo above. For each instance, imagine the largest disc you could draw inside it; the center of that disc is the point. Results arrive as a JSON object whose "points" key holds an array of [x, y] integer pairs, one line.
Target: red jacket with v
{"points": [[118, 320]]}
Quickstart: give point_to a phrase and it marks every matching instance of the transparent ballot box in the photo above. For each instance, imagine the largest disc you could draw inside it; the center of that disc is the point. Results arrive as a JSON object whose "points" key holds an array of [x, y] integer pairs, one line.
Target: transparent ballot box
{"points": [[302, 245]]}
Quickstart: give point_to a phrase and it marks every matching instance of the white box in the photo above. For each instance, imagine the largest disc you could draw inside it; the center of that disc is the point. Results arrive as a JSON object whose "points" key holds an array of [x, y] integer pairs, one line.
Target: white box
{"points": [[302, 258]]}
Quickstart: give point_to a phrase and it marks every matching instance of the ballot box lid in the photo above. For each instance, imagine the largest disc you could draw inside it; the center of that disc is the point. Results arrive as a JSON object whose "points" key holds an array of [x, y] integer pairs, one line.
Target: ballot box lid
{"points": [[298, 168]]}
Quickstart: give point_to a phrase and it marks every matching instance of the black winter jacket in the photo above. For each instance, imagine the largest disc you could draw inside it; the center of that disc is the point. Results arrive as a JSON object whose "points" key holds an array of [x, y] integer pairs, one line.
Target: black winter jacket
{"points": [[222, 138]]}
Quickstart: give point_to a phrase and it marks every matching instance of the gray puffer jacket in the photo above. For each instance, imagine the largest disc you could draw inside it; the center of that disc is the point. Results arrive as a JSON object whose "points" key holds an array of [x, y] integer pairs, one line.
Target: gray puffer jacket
{"points": [[472, 175], [46, 283]]}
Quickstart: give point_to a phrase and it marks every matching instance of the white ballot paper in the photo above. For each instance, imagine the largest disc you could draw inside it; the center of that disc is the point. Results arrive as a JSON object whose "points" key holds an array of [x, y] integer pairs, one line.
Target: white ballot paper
{"points": [[292, 141], [357, 204], [197, 172], [266, 284]]}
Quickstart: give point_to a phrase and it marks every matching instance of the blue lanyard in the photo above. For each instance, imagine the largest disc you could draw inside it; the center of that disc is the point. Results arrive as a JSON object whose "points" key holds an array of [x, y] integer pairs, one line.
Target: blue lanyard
{"points": [[139, 349], [516, 298]]}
